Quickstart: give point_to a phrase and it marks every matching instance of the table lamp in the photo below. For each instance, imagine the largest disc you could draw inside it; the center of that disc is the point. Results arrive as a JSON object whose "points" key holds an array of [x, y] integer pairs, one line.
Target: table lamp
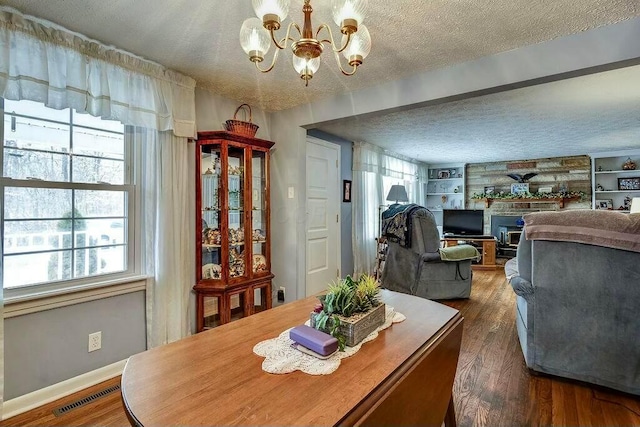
{"points": [[635, 205], [398, 193]]}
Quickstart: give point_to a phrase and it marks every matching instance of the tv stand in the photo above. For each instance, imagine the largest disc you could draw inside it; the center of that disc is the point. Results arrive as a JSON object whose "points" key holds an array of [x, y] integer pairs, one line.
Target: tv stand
{"points": [[488, 244]]}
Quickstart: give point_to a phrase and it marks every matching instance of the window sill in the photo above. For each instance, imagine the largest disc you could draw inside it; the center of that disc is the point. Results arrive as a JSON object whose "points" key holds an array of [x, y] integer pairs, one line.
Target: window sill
{"points": [[46, 300]]}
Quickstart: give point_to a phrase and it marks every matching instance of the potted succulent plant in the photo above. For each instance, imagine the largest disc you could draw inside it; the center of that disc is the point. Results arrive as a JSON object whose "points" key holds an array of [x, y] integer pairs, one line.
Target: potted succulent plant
{"points": [[350, 310]]}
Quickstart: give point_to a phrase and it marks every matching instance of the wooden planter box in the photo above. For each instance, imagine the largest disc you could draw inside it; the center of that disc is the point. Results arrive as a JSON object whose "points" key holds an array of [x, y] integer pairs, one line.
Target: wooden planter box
{"points": [[358, 326]]}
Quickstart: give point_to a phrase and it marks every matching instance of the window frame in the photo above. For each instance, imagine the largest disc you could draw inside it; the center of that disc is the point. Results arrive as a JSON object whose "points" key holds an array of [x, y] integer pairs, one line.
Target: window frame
{"points": [[129, 188]]}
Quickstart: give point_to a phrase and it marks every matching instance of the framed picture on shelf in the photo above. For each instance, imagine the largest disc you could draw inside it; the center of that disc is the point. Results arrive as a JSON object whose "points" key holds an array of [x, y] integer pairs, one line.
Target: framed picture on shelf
{"points": [[490, 189], [629, 183], [520, 187], [346, 191], [604, 204], [443, 174]]}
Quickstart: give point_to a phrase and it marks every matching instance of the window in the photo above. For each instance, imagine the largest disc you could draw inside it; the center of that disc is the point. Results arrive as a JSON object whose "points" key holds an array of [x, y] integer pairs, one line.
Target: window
{"points": [[67, 197], [388, 181]]}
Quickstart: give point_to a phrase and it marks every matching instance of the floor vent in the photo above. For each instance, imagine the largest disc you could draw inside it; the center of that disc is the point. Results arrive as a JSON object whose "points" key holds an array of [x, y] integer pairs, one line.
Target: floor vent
{"points": [[85, 400]]}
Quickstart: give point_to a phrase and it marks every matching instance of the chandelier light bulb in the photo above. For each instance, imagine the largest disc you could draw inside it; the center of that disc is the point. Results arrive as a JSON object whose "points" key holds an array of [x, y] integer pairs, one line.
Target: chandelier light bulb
{"points": [[267, 10], [304, 64], [306, 67], [254, 39], [344, 10], [359, 47]]}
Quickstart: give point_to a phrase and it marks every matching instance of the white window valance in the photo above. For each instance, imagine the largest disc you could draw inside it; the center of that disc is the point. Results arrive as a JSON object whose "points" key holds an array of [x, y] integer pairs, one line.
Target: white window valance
{"points": [[44, 62], [369, 158]]}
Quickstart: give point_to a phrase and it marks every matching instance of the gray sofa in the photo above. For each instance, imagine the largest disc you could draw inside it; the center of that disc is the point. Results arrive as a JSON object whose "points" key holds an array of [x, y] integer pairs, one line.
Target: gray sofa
{"points": [[577, 281], [419, 270]]}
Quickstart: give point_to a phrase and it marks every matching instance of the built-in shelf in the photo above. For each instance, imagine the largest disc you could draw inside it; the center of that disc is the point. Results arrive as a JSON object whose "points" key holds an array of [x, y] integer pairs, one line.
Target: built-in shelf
{"points": [[636, 171], [445, 179], [442, 194], [617, 191], [607, 172], [559, 200], [446, 192]]}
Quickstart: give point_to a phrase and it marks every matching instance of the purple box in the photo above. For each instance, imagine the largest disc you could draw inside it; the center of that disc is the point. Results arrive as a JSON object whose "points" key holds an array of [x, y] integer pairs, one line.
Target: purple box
{"points": [[314, 339]]}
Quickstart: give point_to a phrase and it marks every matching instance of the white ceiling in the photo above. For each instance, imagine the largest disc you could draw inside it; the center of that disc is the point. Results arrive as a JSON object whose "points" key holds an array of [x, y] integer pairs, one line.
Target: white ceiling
{"points": [[200, 38], [597, 112]]}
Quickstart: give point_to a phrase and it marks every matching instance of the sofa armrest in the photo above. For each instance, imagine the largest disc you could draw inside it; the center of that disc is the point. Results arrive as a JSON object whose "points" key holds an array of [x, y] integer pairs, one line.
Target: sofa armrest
{"points": [[430, 257], [459, 253], [521, 287]]}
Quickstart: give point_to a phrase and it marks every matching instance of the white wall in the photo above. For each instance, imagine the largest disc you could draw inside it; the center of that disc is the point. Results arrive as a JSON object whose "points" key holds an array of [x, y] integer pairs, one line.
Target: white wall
{"points": [[213, 110], [593, 48]]}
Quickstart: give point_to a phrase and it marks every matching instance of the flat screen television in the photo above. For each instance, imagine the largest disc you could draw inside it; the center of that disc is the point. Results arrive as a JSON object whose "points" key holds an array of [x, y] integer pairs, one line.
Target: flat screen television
{"points": [[468, 222]]}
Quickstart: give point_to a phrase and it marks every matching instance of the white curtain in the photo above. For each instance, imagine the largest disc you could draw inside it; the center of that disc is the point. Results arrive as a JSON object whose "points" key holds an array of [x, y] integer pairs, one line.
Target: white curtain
{"points": [[373, 170], [418, 187], [167, 224], [44, 62], [366, 204]]}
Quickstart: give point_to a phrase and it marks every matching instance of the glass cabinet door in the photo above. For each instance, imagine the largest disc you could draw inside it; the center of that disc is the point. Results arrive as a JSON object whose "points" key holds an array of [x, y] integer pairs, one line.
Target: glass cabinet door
{"points": [[233, 254], [237, 306], [235, 192], [210, 204], [211, 312], [260, 295], [259, 218]]}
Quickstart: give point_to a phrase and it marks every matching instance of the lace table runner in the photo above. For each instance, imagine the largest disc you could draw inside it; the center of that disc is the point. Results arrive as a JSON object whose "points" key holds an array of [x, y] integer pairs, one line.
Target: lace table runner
{"points": [[282, 358]]}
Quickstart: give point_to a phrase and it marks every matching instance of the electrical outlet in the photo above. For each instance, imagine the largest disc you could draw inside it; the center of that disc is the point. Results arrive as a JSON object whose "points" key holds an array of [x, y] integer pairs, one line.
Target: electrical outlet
{"points": [[281, 294], [95, 341]]}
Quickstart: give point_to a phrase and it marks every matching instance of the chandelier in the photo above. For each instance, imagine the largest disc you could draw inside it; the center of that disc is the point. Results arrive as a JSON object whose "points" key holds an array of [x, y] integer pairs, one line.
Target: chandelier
{"points": [[256, 36]]}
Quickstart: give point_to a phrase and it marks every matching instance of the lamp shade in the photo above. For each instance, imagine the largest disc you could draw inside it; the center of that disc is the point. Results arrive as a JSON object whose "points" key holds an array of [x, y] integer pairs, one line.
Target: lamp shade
{"points": [[398, 194], [254, 38], [274, 7], [360, 43], [349, 9], [635, 205], [303, 65]]}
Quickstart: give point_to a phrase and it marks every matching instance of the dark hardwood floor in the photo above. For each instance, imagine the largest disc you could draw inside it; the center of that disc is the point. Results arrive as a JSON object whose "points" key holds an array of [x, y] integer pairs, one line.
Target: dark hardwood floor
{"points": [[493, 387], [105, 411]]}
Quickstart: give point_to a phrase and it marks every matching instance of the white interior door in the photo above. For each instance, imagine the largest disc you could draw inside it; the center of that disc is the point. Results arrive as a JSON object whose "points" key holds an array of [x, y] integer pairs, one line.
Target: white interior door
{"points": [[323, 221]]}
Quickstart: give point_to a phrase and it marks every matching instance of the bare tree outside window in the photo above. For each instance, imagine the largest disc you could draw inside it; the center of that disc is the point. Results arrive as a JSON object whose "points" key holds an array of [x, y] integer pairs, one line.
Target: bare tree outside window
{"points": [[66, 195]]}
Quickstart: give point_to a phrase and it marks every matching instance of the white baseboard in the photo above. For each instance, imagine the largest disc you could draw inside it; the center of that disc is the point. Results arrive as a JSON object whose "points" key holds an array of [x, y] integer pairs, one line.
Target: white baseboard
{"points": [[46, 395]]}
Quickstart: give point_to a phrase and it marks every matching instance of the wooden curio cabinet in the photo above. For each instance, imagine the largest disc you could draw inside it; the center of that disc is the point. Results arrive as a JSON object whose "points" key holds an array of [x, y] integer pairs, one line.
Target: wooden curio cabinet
{"points": [[233, 255]]}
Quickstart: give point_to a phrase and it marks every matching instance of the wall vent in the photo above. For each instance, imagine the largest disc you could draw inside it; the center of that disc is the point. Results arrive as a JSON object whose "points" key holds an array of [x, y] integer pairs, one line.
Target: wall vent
{"points": [[85, 400]]}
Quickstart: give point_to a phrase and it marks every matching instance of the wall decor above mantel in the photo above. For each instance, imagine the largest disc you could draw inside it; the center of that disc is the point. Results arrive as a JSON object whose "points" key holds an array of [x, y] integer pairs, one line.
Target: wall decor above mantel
{"points": [[548, 189]]}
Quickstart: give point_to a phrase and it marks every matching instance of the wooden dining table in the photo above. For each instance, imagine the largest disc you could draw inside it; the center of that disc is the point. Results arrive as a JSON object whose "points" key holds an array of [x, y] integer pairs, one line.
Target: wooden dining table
{"points": [[403, 377]]}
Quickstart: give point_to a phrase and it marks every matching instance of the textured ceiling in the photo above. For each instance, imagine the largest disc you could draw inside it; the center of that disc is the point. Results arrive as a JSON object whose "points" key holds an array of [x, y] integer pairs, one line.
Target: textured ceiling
{"points": [[598, 112], [200, 37]]}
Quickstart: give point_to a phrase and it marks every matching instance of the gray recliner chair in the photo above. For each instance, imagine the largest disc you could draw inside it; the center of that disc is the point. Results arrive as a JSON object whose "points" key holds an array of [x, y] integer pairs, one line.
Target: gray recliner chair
{"points": [[577, 277], [419, 270]]}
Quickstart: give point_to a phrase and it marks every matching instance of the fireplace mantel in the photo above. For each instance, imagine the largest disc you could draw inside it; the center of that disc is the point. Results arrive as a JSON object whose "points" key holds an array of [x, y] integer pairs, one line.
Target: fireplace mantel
{"points": [[559, 200]]}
